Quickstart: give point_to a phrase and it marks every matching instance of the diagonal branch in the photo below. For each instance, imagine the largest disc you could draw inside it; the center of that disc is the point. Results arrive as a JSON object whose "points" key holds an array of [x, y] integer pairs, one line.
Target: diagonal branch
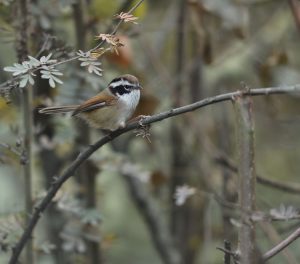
{"points": [[40, 208], [290, 187], [295, 8], [151, 214], [282, 245]]}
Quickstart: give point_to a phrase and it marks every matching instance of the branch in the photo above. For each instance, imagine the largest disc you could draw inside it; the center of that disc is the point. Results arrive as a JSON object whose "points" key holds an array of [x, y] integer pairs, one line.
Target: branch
{"points": [[283, 186], [282, 245], [246, 170], [227, 256], [12, 149], [228, 253], [150, 212], [273, 235], [254, 215], [178, 161], [40, 208], [295, 9]]}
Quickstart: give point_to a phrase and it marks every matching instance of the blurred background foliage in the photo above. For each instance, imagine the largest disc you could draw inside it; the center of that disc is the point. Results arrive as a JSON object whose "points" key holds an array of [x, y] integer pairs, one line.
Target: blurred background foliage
{"points": [[182, 51]]}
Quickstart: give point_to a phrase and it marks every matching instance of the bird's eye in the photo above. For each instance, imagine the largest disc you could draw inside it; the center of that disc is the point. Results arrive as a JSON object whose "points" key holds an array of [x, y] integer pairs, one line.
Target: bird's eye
{"points": [[126, 87]]}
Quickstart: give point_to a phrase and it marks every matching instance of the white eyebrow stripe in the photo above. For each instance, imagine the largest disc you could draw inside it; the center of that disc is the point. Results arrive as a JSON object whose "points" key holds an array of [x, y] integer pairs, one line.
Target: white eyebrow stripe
{"points": [[115, 84]]}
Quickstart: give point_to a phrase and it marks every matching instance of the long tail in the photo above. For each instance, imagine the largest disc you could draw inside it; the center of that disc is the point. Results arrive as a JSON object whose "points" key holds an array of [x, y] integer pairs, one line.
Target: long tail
{"points": [[58, 109]]}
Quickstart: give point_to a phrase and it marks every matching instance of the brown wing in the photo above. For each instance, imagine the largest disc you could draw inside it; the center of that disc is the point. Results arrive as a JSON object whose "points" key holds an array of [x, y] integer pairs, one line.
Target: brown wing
{"points": [[98, 101]]}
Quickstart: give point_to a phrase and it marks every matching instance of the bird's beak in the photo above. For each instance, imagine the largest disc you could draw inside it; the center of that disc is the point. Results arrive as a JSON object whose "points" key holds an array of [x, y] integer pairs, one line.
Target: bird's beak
{"points": [[140, 87]]}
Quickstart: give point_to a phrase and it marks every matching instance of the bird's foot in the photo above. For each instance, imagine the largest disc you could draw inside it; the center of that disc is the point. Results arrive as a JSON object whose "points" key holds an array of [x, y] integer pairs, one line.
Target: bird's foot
{"points": [[144, 129]]}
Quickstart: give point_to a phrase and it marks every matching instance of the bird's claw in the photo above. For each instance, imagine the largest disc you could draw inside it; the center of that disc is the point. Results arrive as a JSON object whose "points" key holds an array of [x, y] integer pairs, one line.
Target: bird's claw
{"points": [[144, 129], [141, 118]]}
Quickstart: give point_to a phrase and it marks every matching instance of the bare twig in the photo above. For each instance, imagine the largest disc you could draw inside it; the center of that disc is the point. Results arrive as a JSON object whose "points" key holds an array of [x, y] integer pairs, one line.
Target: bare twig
{"points": [[11, 149], [104, 140], [273, 235], [283, 186], [47, 38], [295, 9], [246, 169], [282, 245]]}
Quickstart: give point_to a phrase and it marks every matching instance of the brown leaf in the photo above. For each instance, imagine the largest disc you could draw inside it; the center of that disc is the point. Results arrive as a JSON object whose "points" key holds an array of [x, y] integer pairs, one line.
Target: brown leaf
{"points": [[127, 17], [123, 55]]}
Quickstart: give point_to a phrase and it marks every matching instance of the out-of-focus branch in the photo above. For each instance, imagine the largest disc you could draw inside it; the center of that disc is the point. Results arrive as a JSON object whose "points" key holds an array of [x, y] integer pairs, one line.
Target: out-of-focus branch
{"points": [[273, 235], [88, 171], [178, 161], [11, 149], [254, 215], [227, 256], [153, 218], [22, 47], [282, 245], [79, 23], [40, 208], [228, 253], [246, 170], [283, 186], [295, 8]]}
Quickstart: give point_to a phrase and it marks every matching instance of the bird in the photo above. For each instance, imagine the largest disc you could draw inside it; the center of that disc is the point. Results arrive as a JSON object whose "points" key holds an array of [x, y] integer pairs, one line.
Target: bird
{"points": [[108, 110]]}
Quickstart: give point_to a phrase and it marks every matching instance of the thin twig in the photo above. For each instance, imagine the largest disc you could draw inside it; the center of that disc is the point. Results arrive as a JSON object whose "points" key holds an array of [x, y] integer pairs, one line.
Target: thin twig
{"points": [[40, 208], [44, 46], [282, 245], [275, 238], [295, 9], [11, 149], [119, 24], [283, 186]]}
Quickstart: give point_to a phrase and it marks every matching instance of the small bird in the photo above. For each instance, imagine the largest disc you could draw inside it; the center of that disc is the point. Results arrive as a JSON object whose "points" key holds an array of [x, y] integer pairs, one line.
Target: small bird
{"points": [[110, 109]]}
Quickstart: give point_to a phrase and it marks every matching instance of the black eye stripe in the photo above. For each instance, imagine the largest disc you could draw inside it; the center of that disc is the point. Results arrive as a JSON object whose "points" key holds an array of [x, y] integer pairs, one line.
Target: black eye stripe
{"points": [[121, 89]]}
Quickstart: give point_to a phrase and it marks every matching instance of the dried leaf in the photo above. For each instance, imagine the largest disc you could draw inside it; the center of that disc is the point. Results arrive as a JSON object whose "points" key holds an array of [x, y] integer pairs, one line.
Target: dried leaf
{"points": [[127, 17], [110, 39]]}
